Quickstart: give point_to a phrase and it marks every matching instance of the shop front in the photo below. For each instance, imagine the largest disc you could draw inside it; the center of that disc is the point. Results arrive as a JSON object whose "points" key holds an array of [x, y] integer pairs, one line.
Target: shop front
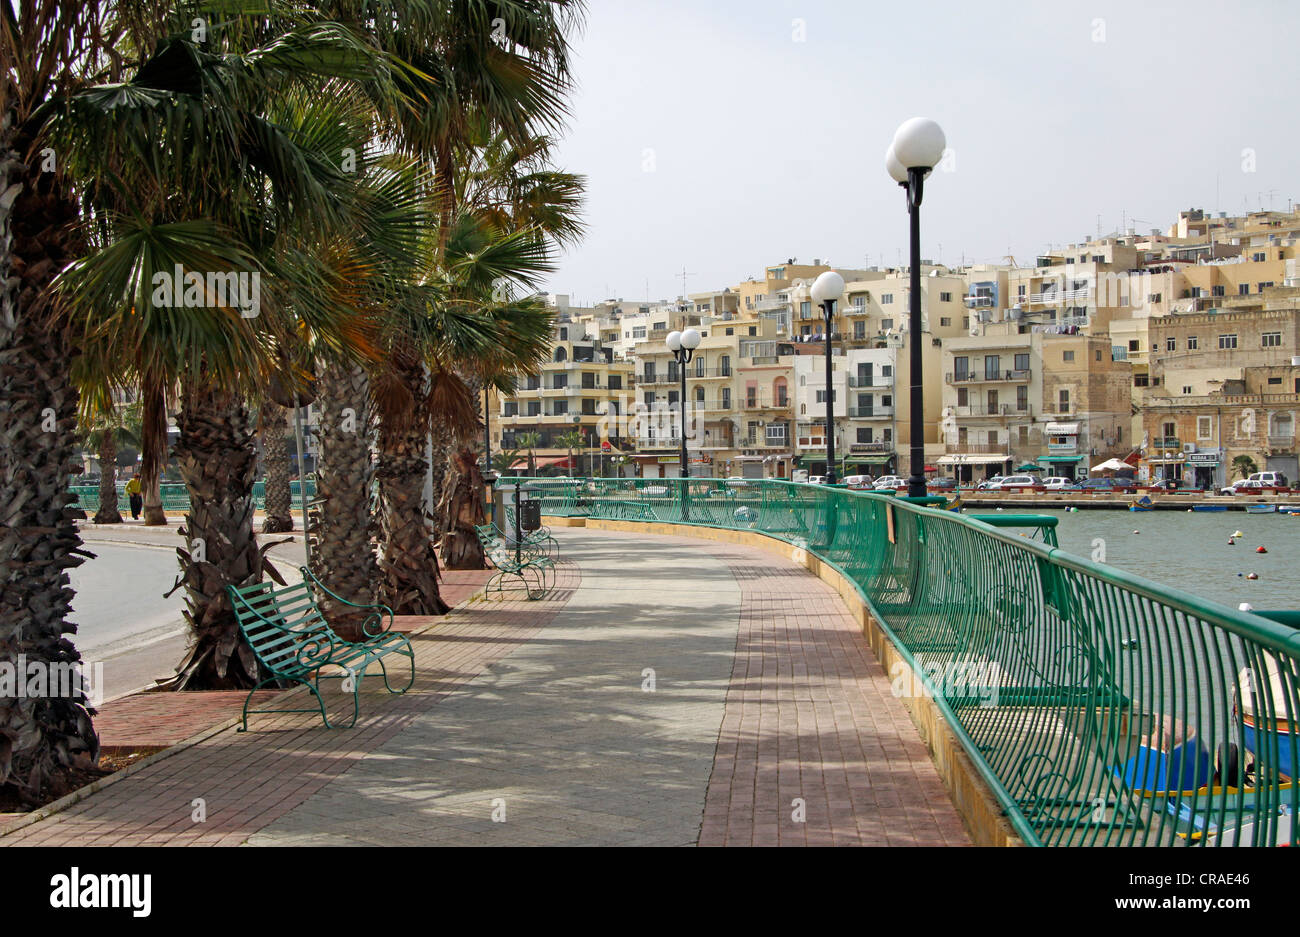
{"points": [[1061, 466], [1202, 470]]}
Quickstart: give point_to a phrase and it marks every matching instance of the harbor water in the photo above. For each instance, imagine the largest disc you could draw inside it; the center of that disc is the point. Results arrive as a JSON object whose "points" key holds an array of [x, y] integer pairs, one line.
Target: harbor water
{"points": [[1189, 551]]}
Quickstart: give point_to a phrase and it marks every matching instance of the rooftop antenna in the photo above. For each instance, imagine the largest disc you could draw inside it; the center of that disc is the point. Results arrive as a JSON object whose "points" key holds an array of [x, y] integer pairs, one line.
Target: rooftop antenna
{"points": [[684, 276]]}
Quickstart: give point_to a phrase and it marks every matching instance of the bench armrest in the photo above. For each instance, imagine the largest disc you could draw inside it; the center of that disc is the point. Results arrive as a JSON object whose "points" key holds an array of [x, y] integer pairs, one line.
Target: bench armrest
{"points": [[374, 625]]}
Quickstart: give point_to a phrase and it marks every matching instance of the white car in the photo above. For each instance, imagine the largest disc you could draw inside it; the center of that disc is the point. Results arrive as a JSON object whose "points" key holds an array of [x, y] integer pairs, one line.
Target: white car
{"points": [[890, 481], [1014, 482], [737, 481], [1242, 484], [816, 479], [1057, 483], [859, 482]]}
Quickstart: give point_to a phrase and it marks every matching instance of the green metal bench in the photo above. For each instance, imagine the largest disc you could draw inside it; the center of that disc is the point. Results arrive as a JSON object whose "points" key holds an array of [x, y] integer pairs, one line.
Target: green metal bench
{"points": [[530, 563], [294, 642]]}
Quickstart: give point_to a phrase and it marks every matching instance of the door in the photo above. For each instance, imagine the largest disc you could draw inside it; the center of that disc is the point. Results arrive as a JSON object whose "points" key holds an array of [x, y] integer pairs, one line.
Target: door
{"points": [[751, 469]]}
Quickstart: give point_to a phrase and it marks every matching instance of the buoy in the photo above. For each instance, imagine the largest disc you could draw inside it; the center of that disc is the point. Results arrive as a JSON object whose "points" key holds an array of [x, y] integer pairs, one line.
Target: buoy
{"points": [[1231, 542], [1238, 575], [1137, 531], [1238, 533], [1252, 575], [1260, 550], [1245, 607]]}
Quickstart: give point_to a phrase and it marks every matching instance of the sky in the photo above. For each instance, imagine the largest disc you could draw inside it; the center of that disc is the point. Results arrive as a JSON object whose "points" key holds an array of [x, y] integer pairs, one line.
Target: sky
{"points": [[721, 136]]}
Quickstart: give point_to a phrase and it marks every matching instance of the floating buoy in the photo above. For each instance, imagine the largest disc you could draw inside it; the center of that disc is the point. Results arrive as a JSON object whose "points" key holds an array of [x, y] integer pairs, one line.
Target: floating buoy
{"points": [[1260, 550], [1238, 575], [1245, 607], [1231, 542], [1238, 533], [1137, 531], [1252, 575]]}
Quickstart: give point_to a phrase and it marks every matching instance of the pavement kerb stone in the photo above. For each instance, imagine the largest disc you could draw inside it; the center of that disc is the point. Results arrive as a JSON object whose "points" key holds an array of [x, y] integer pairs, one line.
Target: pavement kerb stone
{"points": [[81, 793], [979, 809]]}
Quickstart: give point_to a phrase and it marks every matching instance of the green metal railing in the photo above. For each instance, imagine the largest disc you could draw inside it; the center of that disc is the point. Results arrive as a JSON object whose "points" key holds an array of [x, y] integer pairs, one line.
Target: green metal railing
{"points": [[1101, 708], [176, 498]]}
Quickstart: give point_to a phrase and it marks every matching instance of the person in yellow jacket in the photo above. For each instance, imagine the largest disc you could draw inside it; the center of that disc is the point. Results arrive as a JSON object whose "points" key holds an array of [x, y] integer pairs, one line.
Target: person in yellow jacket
{"points": [[137, 500]]}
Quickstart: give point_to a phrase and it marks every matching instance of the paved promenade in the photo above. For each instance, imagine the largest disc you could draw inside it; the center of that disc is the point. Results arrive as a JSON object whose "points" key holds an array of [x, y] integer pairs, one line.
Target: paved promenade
{"points": [[672, 691]]}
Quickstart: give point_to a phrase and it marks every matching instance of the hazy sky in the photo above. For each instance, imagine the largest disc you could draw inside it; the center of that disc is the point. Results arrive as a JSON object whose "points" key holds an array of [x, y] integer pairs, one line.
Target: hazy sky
{"points": [[714, 140]]}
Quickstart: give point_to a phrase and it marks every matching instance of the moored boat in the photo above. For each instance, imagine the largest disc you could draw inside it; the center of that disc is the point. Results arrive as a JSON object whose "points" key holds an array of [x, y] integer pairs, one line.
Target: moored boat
{"points": [[1209, 507], [1260, 508]]}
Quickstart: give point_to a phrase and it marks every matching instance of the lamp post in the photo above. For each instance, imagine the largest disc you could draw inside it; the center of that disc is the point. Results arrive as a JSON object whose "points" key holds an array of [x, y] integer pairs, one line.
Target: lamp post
{"points": [[683, 344], [826, 289], [917, 148]]}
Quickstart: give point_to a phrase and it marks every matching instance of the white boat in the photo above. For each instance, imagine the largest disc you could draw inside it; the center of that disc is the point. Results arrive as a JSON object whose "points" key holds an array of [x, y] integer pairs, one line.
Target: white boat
{"points": [[1260, 508]]}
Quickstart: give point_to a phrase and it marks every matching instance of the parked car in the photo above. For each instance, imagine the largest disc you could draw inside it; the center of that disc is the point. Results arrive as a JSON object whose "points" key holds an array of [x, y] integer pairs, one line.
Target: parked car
{"points": [[890, 481], [859, 482], [1059, 483], [799, 475], [1243, 485], [991, 480], [1169, 484], [1100, 483], [942, 484], [1269, 479], [816, 479], [1017, 483], [737, 481]]}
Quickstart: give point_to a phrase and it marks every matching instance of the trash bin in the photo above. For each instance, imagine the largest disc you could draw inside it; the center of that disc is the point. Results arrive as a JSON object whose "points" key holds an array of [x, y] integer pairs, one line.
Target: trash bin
{"points": [[530, 514]]}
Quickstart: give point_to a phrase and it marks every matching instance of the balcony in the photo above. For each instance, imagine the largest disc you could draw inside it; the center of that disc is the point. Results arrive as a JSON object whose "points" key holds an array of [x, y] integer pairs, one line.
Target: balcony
{"points": [[662, 442], [706, 373], [1165, 442], [859, 447], [1056, 297], [978, 448], [1281, 442], [1004, 409], [811, 442], [559, 391], [977, 301], [762, 442], [764, 403], [874, 380], [983, 377], [871, 413], [656, 378]]}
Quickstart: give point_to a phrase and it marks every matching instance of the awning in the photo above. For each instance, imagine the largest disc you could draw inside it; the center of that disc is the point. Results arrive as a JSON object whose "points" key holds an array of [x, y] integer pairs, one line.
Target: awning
{"points": [[868, 459], [560, 461], [972, 459], [1060, 458], [1166, 460], [1061, 429]]}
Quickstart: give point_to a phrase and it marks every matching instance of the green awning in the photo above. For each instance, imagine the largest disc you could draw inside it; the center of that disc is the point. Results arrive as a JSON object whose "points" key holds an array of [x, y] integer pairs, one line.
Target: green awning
{"points": [[1060, 458], [1028, 467], [867, 460]]}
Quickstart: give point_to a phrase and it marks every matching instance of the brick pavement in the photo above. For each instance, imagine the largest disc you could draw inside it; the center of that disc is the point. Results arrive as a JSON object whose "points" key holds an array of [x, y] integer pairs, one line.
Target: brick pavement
{"points": [[766, 692]]}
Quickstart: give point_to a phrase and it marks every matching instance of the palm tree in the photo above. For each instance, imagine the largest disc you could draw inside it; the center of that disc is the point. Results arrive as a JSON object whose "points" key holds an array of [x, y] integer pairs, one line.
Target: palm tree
{"points": [[273, 427], [570, 441], [530, 441], [106, 427], [503, 462], [1244, 466]]}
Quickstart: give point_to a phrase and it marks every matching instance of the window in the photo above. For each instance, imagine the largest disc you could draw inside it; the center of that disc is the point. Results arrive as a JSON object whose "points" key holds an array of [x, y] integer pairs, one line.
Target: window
{"points": [[1133, 345], [993, 437], [886, 324], [672, 398], [821, 395], [1098, 258], [589, 407], [726, 398], [615, 382], [1063, 401], [1275, 380], [864, 434], [963, 398], [1171, 344], [1192, 343], [638, 331], [1187, 390], [1227, 341], [561, 407], [699, 366], [724, 366], [730, 331], [1098, 354], [564, 334], [1243, 289], [991, 401], [1155, 297], [1170, 430], [886, 298], [753, 330], [1022, 398], [944, 320], [859, 329], [945, 297], [1022, 362], [805, 310], [1217, 290], [992, 363], [649, 399], [1258, 256], [961, 434], [886, 400], [534, 408], [1272, 339], [960, 368], [1264, 285], [965, 322], [512, 408], [660, 326], [1140, 380], [1024, 435], [887, 435], [559, 380]]}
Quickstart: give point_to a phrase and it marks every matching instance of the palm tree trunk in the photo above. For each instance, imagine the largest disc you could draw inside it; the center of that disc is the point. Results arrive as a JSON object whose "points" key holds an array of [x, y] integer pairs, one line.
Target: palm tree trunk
{"points": [[108, 512], [153, 449], [463, 508], [275, 459], [42, 739], [217, 460], [342, 519], [408, 561]]}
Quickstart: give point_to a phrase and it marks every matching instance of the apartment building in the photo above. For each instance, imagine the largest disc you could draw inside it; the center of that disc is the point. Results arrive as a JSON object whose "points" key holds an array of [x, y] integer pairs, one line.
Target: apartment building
{"points": [[1012, 397], [863, 405], [583, 389], [1224, 383]]}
